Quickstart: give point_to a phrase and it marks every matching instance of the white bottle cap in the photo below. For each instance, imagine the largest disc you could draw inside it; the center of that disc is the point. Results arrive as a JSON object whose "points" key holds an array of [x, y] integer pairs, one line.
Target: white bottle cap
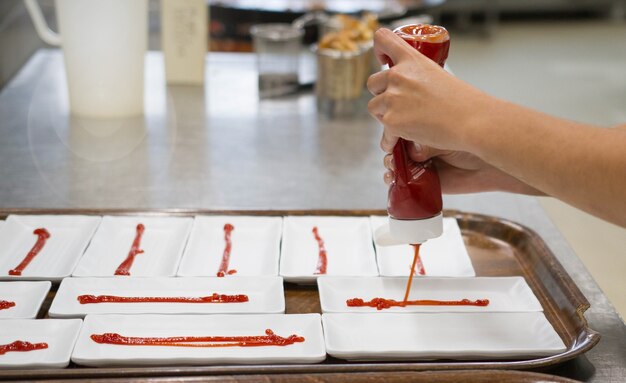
{"points": [[401, 231]]}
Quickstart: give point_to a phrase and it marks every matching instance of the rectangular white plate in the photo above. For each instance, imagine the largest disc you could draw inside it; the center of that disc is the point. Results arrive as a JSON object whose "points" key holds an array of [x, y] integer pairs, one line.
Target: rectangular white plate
{"points": [[505, 294], [348, 243], [265, 295], [2, 223], [69, 236], [424, 336], [90, 353], [255, 246], [163, 242], [28, 297], [60, 334], [445, 256]]}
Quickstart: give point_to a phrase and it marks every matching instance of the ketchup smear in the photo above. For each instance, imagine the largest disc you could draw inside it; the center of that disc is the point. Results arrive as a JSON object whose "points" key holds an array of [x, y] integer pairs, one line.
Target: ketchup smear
{"points": [[322, 260], [383, 303], [214, 298], [21, 346], [269, 339], [223, 271], [5, 305], [124, 267], [415, 192], [42, 236]]}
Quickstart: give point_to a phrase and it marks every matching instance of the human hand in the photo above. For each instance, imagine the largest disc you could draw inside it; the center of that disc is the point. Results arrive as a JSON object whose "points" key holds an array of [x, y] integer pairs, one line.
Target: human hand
{"points": [[417, 100], [462, 172]]}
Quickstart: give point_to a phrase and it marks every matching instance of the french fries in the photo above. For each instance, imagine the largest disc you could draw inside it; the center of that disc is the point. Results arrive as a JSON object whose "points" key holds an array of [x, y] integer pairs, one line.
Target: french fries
{"points": [[351, 33]]}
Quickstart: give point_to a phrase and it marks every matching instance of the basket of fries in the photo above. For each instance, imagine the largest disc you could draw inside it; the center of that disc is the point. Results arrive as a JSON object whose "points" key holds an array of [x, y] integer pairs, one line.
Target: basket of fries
{"points": [[344, 62]]}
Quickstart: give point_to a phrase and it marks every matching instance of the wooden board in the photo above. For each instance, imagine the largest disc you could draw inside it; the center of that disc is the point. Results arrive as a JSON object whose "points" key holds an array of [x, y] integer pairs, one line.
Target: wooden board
{"points": [[496, 247]]}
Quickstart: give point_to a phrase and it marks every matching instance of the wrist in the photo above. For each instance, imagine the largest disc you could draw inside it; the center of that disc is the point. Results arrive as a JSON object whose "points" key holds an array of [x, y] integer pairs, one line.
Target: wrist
{"points": [[480, 126]]}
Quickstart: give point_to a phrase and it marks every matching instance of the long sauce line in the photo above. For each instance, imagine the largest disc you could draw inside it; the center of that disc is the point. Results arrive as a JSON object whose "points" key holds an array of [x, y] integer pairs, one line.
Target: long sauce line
{"points": [[124, 267], [214, 298], [383, 303], [42, 236], [223, 270], [322, 260], [269, 339]]}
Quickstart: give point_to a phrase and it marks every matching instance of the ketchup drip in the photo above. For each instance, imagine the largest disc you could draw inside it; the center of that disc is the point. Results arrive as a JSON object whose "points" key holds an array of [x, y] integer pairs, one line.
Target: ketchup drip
{"points": [[322, 260], [223, 271], [5, 305], [214, 298], [382, 303], [124, 267], [269, 339], [415, 192], [21, 346], [42, 236]]}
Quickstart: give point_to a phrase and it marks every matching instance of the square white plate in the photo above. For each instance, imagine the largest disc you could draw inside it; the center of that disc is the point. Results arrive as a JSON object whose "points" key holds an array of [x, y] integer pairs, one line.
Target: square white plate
{"points": [[60, 334], [90, 353], [265, 295], [2, 223], [505, 294], [69, 236], [348, 243], [163, 242], [424, 336], [255, 246], [445, 256], [28, 297]]}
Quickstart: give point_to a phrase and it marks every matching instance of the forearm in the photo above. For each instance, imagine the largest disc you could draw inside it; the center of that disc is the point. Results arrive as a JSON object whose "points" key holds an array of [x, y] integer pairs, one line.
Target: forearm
{"points": [[582, 165]]}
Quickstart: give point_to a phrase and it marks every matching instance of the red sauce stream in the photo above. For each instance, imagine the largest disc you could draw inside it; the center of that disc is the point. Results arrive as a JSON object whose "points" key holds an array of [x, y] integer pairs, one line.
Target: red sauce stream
{"points": [[223, 271], [4, 305], [269, 339], [214, 298], [382, 303], [322, 260], [21, 346], [124, 267], [415, 192], [42, 236], [416, 257]]}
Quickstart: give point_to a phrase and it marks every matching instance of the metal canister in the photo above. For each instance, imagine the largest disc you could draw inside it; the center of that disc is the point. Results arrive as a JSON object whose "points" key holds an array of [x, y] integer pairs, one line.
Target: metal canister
{"points": [[341, 79]]}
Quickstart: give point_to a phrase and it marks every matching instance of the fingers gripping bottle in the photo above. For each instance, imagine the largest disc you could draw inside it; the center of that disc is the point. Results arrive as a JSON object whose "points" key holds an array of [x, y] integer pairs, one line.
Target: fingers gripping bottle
{"points": [[414, 202]]}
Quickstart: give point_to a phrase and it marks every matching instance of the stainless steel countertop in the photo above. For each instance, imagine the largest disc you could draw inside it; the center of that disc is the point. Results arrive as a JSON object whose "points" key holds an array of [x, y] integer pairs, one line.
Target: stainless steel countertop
{"points": [[220, 147]]}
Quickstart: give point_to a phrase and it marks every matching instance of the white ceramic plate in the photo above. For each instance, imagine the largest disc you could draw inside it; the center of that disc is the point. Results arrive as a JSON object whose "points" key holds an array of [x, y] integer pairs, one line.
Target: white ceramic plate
{"points": [[60, 334], [425, 336], [90, 353], [28, 297], [265, 295], [505, 294], [69, 236], [348, 242], [445, 256], [2, 223], [255, 246], [163, 242]]}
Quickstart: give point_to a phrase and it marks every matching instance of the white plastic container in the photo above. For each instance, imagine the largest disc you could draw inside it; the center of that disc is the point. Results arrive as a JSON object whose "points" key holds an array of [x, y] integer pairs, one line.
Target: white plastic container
{"points": [[104, 44]]}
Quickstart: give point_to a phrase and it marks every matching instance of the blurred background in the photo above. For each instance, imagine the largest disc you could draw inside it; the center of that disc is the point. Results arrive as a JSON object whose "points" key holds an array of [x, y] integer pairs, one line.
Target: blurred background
{"points": [[563, 57]]}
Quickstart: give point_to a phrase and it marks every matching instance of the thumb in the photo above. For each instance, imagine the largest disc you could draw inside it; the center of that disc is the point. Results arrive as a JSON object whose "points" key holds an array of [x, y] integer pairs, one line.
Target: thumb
{"points": [[421, 153], [389, 48]]}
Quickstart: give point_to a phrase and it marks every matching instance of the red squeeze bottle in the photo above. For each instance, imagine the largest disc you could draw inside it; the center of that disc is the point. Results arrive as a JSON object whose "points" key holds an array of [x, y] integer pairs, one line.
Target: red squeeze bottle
{"points": [[414, 200]]}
